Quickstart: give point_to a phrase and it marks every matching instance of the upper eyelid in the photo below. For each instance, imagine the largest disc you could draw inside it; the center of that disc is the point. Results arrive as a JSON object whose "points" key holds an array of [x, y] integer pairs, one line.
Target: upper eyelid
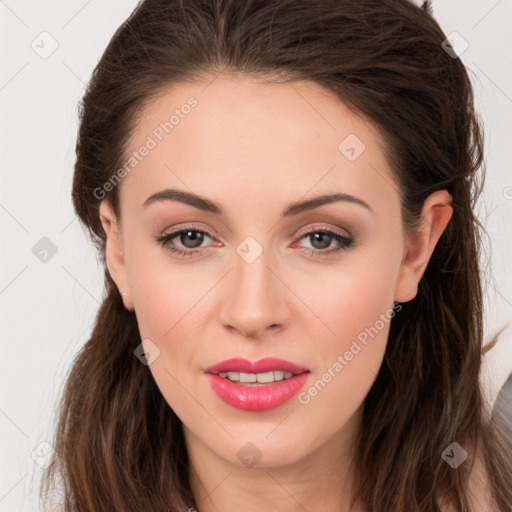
{"points": [[338, 231]]}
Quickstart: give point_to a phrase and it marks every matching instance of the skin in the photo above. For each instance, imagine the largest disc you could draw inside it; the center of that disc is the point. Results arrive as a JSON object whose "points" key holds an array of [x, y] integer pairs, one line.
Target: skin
{"points": [[254, 147]]}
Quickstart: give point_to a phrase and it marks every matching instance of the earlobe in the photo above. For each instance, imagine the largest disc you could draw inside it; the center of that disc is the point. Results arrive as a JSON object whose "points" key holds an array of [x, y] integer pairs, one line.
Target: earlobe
{"points": [[114, 254], [421, 242]]}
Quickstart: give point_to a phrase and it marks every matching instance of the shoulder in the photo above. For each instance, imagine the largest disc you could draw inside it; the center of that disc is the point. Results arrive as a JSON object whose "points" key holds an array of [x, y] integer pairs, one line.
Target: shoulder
{"points": [[479, 490]]}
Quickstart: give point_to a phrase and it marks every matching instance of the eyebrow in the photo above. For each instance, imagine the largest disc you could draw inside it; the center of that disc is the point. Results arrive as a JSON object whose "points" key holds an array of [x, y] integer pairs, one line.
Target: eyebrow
{"points": [[207, 205]]}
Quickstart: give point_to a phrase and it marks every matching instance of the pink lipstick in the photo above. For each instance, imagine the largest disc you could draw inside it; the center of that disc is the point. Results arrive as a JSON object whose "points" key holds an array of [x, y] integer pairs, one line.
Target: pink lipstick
{"points": [[256, 386]]}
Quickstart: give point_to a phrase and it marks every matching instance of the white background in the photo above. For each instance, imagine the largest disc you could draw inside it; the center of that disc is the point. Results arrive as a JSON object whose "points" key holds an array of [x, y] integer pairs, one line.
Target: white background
{"points": [[48, 308]]}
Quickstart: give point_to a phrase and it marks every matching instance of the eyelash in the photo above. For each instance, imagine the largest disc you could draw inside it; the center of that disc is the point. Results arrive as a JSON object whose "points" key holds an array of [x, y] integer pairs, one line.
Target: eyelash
{"points": [[345, 242]]}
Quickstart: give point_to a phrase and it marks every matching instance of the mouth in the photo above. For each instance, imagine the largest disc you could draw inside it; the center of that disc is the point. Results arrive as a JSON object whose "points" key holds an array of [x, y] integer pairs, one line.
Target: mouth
{"points": [[256, 386]]}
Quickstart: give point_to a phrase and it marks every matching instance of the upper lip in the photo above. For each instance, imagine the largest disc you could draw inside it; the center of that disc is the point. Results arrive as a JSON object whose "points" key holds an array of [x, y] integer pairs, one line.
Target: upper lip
{"points": [[267, 364]]}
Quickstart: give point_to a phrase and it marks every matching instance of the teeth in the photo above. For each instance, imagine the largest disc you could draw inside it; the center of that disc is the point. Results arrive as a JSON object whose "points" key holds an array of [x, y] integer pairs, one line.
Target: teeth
{"points": [[263, 378], [247, 377]]}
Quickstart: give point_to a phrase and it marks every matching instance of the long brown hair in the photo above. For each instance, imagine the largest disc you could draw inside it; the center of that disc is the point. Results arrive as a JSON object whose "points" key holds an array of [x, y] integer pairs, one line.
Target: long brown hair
{"points": [[119, 445]]}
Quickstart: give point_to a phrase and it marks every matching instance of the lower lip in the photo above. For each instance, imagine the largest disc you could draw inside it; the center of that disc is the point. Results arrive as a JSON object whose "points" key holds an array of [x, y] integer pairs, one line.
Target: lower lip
{"points": [[257, 398]]}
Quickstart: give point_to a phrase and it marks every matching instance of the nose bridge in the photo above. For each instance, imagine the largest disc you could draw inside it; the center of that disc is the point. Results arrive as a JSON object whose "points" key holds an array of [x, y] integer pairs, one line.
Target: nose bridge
{"points": [[254, 291]]}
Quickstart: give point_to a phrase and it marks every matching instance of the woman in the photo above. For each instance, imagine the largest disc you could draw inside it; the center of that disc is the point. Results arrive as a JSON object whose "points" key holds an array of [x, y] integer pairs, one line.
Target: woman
{"points": [[282, 197]]}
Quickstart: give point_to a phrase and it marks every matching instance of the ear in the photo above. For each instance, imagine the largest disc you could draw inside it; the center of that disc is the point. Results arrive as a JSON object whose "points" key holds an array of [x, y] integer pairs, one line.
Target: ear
{"points": [[114, 252], [420, 243]]}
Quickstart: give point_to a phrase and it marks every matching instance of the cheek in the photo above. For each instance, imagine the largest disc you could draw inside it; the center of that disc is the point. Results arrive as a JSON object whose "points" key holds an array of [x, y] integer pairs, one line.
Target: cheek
{"points": [[354, 296], [163, 292], [359, 313], [357, 310], [168, 300], [164, 298]]}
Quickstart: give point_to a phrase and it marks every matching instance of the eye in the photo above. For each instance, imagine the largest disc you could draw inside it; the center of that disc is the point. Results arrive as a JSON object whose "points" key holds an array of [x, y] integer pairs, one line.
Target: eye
{"points": [[191, 239], [322, 238]]}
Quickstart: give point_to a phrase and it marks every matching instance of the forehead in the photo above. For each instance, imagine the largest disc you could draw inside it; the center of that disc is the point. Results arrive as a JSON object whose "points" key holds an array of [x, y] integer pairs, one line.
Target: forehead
{"points": [[253, 137]]}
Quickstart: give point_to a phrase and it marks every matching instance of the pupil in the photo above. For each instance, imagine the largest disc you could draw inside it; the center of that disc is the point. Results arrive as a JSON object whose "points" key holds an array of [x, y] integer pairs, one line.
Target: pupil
{"points": [[316, 236], [196, 240]]}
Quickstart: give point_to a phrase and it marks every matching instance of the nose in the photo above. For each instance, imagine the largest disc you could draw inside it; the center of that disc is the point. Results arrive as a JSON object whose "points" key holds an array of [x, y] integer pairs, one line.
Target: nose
{"points": [[255, 298]]}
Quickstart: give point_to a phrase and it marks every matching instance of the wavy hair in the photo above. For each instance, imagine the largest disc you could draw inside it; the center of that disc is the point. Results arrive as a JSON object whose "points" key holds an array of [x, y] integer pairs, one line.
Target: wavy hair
{"points": [[119, 445]]}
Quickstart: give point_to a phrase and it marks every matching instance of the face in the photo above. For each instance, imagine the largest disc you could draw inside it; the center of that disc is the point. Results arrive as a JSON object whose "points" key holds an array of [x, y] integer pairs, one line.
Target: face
{"points": [[253, 277]]}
